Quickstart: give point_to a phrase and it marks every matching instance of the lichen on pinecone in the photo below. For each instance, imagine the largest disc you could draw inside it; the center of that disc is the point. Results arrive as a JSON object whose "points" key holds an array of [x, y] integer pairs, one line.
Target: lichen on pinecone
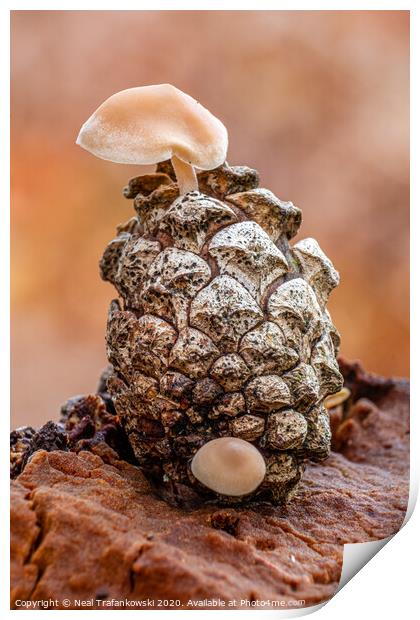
{"points": [[220, 330]]}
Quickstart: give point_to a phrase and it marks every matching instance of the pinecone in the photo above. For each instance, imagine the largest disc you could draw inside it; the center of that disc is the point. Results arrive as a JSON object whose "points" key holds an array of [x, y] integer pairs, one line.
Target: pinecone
{"points": [[221, 330]]}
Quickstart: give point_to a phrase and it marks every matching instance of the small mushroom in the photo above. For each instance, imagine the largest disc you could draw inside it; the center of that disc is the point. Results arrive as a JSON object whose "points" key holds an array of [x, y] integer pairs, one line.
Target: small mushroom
{"points": [[337, 399], [150, 124], [229, 466]]}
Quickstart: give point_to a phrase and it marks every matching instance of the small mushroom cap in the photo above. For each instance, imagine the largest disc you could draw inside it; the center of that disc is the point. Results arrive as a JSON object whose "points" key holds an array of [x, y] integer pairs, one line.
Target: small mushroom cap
{"points": [[229, 466], [337, 399], [150, 124]]}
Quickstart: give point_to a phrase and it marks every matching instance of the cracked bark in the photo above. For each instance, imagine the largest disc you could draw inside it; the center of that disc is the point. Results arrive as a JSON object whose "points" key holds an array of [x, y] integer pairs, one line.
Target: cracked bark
{"points": [[95, 527]]}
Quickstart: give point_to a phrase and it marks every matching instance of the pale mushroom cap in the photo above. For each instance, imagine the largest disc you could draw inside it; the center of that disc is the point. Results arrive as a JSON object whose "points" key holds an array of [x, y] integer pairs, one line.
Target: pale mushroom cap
{"points": [[337, 399], [150, 124], [229, 466]]}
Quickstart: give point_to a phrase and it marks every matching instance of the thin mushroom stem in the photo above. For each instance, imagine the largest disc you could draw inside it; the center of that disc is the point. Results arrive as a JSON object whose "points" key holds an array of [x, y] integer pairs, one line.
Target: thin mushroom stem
{"points": [[185, 176]]}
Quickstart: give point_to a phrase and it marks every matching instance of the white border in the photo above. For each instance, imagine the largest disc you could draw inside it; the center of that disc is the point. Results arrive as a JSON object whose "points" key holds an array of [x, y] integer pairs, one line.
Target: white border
{"points": [[5, 281], [366, 594]]}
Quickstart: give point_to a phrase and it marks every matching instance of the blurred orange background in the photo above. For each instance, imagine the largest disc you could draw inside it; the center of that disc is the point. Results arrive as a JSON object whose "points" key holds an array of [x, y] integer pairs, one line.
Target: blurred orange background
{"points": [[318, 102]]}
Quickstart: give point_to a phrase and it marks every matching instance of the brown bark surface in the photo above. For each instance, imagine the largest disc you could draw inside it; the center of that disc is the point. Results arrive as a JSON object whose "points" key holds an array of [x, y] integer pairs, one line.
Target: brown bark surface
{"points": [[87, 525]]}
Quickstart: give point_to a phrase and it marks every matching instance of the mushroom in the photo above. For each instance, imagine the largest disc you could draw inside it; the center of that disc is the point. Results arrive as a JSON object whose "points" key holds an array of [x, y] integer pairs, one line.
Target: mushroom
{"points": [[229, 466], [337, 399], [149, 124]]}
